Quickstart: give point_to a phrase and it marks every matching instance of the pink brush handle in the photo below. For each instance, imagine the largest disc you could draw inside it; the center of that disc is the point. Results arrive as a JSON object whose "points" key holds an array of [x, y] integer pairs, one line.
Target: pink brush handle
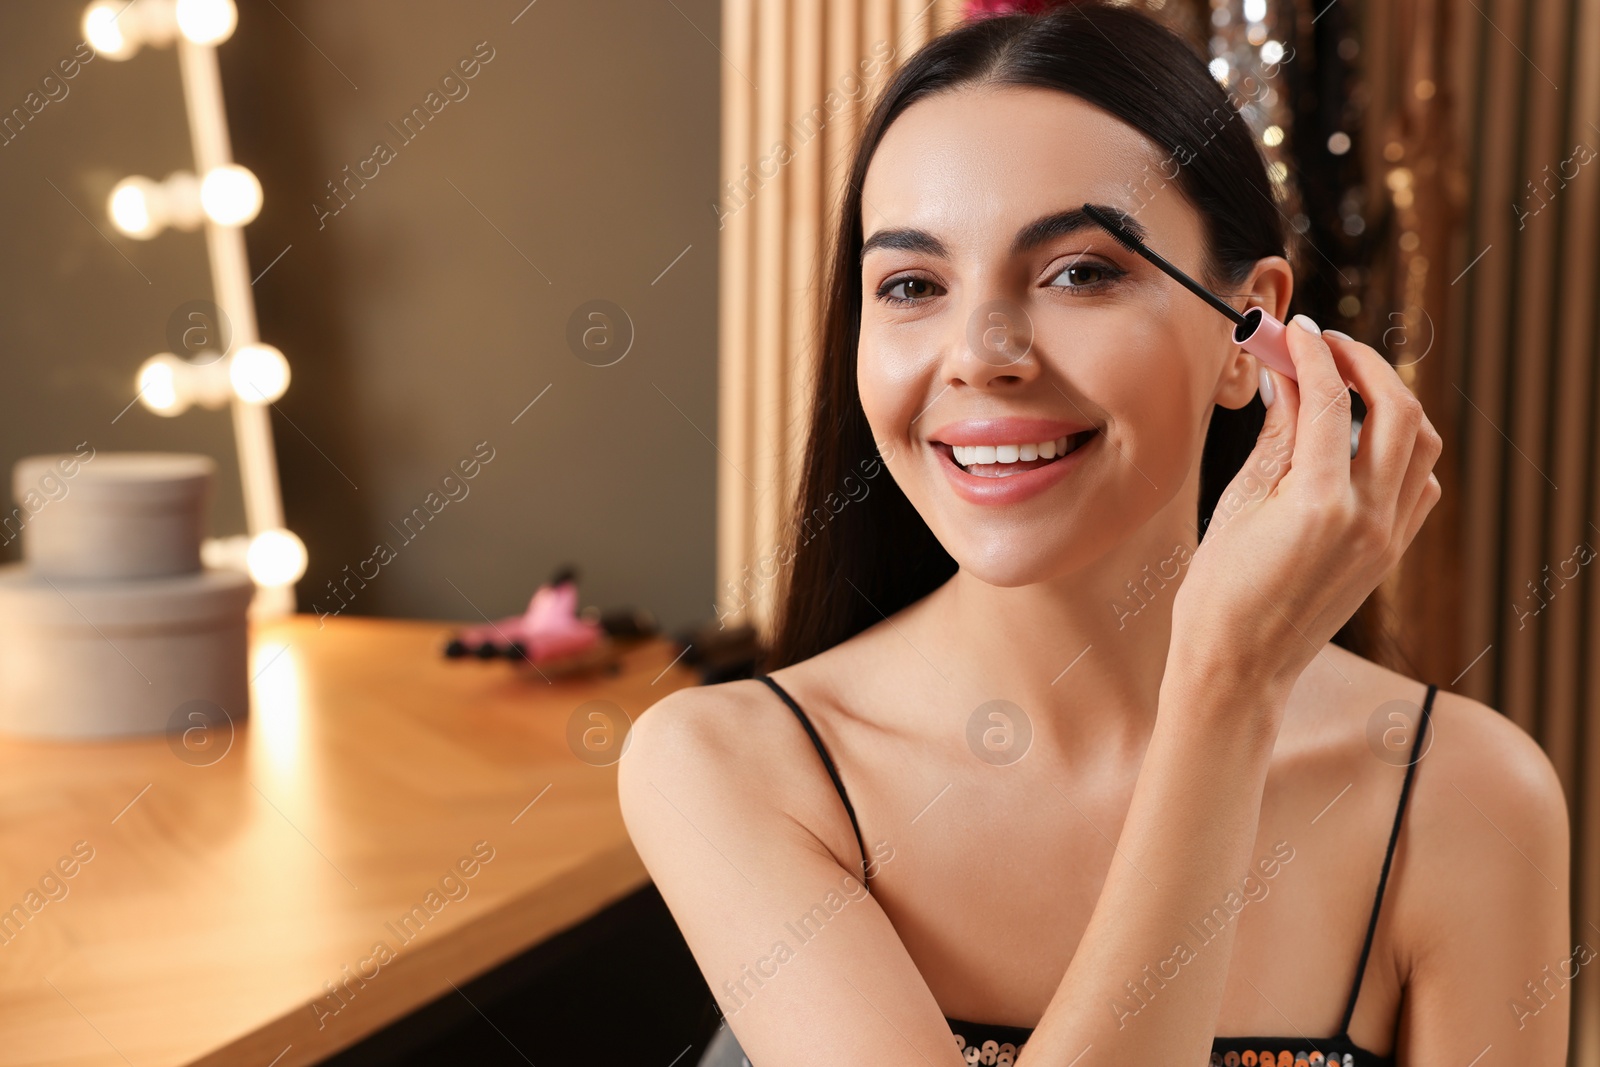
{"points": [[1264, 339]]}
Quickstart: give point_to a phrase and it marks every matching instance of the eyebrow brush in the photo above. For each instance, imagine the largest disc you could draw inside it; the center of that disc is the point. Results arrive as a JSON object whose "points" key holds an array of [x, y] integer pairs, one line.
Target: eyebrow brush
{"points": [[1258, 332]]}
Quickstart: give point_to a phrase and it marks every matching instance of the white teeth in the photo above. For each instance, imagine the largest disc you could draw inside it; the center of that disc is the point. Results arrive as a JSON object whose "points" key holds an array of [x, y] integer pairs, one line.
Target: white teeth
{"points": [[967, 455]]}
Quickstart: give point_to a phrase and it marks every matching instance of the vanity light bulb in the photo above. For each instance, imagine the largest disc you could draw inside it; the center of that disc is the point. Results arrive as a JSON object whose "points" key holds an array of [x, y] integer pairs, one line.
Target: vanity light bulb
{"points": [[230, 194], [159, 385], [103, 29], [276, 557], [207, 21], [137, 207], [259, 373]]}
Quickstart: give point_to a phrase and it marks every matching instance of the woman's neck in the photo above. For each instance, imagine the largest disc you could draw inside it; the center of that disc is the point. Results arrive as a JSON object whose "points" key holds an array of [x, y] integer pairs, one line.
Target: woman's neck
{"points": [[1082, 654]]}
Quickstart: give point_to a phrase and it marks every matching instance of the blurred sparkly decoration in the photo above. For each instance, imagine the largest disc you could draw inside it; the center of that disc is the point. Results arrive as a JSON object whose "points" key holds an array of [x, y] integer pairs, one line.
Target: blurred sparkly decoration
{"points": [[1290, 68], [1307, 117]]}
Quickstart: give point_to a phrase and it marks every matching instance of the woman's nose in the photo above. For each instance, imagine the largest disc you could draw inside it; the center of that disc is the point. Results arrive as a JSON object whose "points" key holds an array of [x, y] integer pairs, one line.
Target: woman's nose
{"points": [[997, 343]]}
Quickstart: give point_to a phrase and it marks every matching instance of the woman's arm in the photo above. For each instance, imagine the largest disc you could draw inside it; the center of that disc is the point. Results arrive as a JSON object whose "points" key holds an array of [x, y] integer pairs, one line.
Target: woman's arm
{"points": [[1293, 549], [1185, 846], [804, 964], [1484, 899]]}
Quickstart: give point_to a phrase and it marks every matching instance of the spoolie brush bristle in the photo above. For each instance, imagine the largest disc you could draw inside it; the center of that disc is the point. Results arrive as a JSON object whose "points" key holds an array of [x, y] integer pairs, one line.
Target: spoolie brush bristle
{"points": [[1113, 227], [1138, 247]]}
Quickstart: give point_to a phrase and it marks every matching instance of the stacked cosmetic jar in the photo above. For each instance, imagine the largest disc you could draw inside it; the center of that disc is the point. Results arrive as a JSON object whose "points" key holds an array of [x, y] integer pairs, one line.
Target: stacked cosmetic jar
{"points": [[111, 626]]}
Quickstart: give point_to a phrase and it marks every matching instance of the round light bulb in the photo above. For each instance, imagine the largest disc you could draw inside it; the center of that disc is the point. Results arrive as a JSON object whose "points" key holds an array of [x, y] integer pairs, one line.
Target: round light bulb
{"points": [[230, 194], [259, 373], [103, 30], [276, 557], [159, 385], [207, 21], [137, 207]]}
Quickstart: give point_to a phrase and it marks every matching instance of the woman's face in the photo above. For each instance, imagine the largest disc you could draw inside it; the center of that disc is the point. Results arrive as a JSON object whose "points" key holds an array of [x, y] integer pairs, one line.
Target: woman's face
{"points": [[980, 329]]}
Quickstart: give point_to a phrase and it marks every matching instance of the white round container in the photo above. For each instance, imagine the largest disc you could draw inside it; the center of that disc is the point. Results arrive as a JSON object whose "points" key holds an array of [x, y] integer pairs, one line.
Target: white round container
{"points": [[108, 658], [115, 515]]}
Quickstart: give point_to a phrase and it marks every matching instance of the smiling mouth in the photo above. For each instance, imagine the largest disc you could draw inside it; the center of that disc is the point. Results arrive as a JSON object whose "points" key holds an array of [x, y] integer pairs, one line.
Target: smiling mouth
{"points": [[1003, 461]]}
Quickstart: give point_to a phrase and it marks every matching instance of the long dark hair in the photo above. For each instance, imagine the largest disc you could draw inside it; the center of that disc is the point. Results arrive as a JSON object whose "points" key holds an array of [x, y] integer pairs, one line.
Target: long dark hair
{"points": [[853, 560]]}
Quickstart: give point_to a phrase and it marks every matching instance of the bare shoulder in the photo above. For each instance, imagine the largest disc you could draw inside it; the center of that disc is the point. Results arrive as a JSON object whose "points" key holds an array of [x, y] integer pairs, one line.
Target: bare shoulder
{"points": [[1487, 793], [1482, 894], [1486, 825], [702, 736], [1468, 744], [733, 756]]}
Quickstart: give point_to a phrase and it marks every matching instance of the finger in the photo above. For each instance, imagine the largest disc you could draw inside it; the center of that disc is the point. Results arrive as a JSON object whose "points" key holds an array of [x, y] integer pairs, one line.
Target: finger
{"points": [[1267, 462], [1276, 443], [1419, 479], [1322, 433], [1421, 509], [1389, 433]]}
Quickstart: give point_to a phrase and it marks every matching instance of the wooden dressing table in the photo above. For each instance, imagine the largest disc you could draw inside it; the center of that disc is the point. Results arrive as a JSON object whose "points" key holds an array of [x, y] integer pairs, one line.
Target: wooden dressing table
{"points": [[234, 898]]}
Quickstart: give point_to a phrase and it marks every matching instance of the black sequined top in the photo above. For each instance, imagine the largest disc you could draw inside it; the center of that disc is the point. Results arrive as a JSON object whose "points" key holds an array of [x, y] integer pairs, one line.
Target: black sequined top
{"points": [[993, 1044]]}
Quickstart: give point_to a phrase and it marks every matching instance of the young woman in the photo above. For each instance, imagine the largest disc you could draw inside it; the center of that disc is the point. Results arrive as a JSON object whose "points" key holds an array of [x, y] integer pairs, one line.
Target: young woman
{"points": [[1069, 751]]}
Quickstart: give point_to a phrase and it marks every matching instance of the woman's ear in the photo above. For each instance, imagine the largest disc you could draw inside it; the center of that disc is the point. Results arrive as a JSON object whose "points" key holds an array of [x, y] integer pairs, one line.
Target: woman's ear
{"points": [[1270, 286]]}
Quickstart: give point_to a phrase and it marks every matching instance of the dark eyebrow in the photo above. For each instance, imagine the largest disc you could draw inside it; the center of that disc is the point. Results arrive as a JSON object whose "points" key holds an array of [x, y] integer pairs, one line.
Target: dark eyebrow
{"points": [[1039, 231], [904, 240], [1031, 236]]}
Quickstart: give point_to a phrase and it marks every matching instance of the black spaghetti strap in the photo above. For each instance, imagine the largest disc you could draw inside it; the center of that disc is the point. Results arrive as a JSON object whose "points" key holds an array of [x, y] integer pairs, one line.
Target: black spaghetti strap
{"points": [[827, 761], [1383, 878]]}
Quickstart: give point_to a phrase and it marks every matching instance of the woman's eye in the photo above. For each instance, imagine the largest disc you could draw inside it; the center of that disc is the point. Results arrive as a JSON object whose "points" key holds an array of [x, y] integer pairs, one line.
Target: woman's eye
{"points": [[916, 291], [1087, 275]]}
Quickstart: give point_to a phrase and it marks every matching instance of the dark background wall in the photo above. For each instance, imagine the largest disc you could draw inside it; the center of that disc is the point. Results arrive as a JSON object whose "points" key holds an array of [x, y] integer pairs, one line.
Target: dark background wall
{"points": [[424, 305]]}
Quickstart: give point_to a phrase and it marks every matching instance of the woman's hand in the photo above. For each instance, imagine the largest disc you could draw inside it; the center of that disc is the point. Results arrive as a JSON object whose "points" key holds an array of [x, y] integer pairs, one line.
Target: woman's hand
{"points": [[1305, 532]]}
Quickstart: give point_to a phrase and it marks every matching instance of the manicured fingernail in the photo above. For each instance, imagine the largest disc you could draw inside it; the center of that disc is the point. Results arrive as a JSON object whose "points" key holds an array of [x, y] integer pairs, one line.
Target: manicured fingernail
{"points": [[1305, 323], [1336, 333], [1268, 393]]}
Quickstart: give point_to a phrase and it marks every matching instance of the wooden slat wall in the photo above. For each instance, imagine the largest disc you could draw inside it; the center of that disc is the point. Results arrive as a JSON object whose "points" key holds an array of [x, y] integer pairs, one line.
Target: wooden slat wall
{"points": [[1410, 162], [783, 59], [1523, 340]]}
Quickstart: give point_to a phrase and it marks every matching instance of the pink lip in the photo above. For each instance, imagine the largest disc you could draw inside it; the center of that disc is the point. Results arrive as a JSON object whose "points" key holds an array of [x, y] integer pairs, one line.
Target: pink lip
{"points": [[1011, 488], [1007, 431]]}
